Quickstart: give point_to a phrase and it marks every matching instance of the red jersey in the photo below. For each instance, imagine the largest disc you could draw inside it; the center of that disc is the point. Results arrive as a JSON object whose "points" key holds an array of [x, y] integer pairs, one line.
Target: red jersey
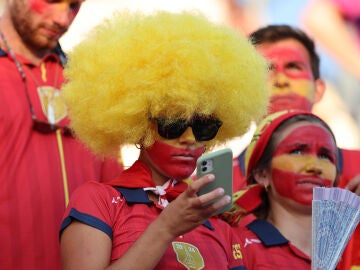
{"points": [[264, 247], [125, 213], [32, 194]]}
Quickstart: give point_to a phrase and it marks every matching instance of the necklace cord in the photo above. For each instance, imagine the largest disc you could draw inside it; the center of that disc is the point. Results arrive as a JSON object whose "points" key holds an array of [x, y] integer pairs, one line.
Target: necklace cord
{"points": [[58, 132], [21, 72]]}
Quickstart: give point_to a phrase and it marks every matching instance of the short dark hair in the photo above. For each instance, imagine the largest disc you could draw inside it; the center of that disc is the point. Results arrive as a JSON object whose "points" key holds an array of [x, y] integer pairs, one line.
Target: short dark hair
{"points": [[274, 33]]}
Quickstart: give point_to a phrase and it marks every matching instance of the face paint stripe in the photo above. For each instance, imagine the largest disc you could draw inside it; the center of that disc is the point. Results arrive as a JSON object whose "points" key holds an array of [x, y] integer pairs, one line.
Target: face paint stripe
{"points": [[292, 163]]}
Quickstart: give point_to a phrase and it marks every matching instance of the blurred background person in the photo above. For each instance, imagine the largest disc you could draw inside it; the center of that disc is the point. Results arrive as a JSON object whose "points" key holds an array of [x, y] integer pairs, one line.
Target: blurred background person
{"points": [[334, 24], [341, 94], [41, 162]]}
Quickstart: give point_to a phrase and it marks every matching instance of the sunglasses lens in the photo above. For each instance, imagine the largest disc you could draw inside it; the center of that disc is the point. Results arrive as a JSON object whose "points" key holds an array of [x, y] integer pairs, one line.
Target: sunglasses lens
{"points": [[205, 129], [171, 130]]}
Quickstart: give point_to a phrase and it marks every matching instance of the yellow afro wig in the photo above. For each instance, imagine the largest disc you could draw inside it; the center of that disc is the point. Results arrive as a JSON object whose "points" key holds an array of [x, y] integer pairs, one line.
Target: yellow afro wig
{"points": [[134, 67]]}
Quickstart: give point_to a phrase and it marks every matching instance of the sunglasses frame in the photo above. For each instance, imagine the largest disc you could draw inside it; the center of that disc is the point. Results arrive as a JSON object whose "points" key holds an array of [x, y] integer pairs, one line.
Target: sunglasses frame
{"points": [[174, 129]]}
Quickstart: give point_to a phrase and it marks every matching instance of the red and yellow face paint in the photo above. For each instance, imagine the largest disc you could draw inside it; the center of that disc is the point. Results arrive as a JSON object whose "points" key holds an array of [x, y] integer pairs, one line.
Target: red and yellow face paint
{"points": [[71, 7], [291, 82], [304, 158], [176, 158]]}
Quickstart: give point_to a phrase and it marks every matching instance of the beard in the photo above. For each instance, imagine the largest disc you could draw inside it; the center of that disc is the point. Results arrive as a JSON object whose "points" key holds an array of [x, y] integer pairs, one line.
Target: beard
{"points": [[33, 34]]}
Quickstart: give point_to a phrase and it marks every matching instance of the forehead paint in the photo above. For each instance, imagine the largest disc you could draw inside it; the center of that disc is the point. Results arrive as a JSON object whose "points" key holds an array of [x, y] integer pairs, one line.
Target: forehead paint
{"points": [[174, 162], [312, 139], [289, 60], [305, 158], [41, 6], [38, 6]]}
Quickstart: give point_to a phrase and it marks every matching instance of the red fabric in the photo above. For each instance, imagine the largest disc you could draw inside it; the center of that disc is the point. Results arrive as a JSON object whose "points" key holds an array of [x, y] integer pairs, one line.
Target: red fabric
{"points": [[350, 10], [351, 168], [249, 199], [244, 201], [257, 256], [139, 176], [239, 180], [127, 222], [32, 195]]}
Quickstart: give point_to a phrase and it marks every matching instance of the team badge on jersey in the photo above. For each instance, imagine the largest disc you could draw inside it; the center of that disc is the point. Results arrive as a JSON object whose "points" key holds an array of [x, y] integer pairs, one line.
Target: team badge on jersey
{"points": [[188, 255], [52, 104]]}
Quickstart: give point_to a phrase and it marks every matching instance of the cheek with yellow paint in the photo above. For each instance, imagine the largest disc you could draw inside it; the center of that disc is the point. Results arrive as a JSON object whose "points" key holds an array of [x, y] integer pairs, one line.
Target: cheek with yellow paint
{"points": [[302, 87], [294, 177], [301, 164]]}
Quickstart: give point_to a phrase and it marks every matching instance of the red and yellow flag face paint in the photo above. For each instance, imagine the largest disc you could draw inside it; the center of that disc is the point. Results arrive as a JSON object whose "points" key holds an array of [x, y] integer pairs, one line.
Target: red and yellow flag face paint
{"points": [[173, 161], [51, 9], [43, 6], [291, 82], [304, 158]]}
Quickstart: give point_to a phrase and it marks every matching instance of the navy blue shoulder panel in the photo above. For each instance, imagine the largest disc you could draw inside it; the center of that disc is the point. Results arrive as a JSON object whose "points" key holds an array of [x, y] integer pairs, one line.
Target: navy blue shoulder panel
{"points": [[267, 233], [238, 268], [86, 219], [134, 195], [138, 195]]}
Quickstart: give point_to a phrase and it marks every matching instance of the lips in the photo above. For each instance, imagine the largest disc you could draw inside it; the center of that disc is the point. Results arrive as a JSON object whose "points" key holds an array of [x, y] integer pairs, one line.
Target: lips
{"points": [[54, 32], [311, 182], [183, 157]]}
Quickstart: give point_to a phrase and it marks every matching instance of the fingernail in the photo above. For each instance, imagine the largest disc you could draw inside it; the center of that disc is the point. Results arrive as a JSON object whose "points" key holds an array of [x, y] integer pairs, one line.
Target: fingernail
{"points": [[211, 176]]}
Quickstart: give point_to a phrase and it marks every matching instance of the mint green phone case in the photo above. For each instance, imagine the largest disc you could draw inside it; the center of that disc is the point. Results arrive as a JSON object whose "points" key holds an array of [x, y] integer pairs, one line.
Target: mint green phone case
{"points": [[218, 163]]}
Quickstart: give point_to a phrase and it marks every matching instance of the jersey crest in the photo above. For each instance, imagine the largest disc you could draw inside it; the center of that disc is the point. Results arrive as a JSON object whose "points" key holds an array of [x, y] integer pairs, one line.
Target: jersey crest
{"points": [[188, 255]]}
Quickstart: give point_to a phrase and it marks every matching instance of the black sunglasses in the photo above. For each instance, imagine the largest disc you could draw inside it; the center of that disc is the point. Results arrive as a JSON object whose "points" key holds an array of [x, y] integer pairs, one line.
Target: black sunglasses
{"points": [[204, 128]]}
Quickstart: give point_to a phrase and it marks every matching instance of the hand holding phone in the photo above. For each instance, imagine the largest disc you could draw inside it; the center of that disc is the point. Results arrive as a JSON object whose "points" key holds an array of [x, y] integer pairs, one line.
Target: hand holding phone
{"points": [[218, 163]]}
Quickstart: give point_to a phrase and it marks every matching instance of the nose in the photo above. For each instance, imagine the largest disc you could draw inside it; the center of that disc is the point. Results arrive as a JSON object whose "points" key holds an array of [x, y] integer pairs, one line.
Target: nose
{"points": [[313, 166], [187, 137], [280, 80]]}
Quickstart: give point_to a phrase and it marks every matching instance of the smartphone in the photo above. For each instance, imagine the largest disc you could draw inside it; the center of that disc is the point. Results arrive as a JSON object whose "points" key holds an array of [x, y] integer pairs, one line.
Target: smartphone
{"points": [[218, 163]]}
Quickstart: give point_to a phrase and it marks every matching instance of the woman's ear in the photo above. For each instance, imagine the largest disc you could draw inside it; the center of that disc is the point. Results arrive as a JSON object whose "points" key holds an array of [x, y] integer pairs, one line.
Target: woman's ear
{"points": [[262, 177]]}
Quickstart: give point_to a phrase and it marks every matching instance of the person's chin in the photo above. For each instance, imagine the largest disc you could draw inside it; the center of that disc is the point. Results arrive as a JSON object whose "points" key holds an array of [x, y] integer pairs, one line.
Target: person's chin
{"points": [[277, 107]]}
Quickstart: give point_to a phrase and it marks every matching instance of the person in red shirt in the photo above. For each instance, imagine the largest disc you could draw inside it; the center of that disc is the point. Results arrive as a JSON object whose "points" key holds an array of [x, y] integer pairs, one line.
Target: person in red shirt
{"points": [[294, 82], [41, 162], [168, 83], [291, 153]]}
